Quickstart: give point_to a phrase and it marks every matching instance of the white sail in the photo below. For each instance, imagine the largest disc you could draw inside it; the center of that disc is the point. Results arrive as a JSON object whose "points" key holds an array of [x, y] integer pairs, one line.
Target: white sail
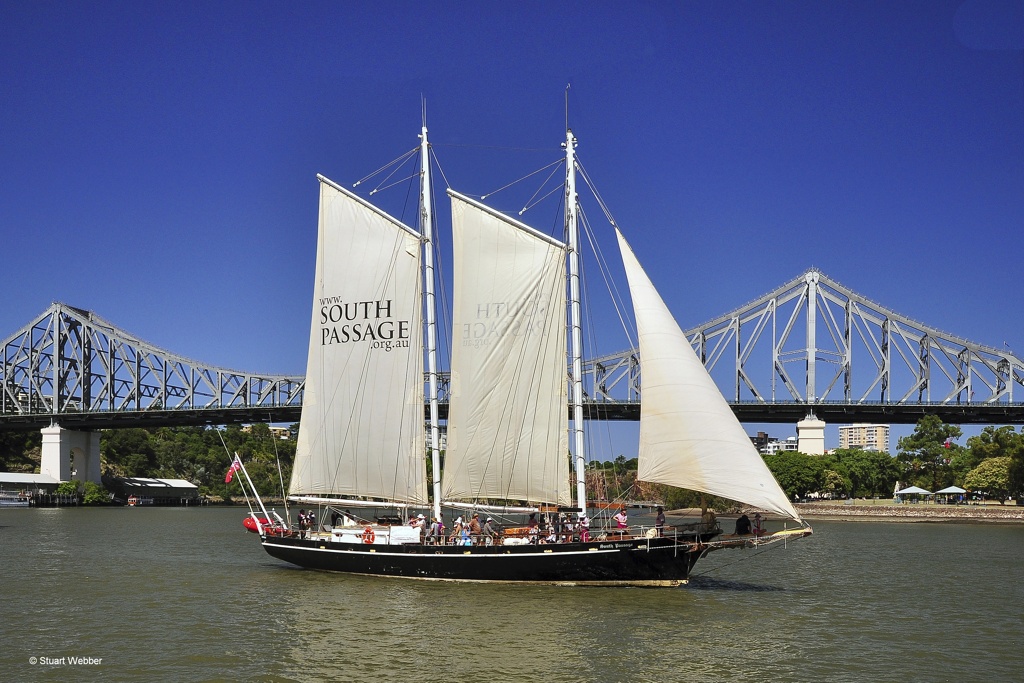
{"points": [[507, 420], [362, 431], [689, 436]]}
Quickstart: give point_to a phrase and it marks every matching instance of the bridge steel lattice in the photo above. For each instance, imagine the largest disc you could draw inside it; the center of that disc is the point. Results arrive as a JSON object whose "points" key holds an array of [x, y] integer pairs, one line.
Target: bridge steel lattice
{"points": [[71, 367], [813, 346]]}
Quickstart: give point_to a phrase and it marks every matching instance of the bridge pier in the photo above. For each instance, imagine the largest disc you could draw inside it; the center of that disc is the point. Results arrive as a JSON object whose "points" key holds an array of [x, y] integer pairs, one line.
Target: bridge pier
{"points": [[70, 455], [810, 434]]}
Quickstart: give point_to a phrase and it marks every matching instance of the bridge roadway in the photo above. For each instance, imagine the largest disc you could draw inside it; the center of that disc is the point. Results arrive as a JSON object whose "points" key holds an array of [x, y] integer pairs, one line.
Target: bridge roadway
{"points": [[746, 411]]}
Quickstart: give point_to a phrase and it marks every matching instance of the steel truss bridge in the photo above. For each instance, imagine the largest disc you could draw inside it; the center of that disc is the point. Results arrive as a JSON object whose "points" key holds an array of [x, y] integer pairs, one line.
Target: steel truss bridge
{"points": [[812, 346]]}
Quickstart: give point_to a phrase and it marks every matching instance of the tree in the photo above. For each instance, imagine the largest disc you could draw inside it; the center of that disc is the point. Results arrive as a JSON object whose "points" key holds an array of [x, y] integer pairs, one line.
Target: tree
{"points": [[20, 450], [996, 442], [94, 494], [927, 452], [128, 452], [991, 476], [834, 483], [869, 473], [797, 474], [67, 488]]}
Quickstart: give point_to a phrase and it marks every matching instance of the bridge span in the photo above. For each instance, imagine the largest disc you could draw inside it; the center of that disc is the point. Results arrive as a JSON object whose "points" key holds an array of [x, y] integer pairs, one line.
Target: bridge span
{"points": [[747, 411], [812, 346]]}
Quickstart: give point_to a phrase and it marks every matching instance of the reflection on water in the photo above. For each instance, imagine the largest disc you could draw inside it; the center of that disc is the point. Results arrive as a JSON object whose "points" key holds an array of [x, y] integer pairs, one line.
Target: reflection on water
{"points": [[185, 594], [707, 583]]}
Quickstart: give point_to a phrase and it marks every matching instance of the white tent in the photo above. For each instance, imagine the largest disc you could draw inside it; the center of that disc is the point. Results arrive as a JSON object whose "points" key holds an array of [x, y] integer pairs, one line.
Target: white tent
{"points": [[914, 489], [953, 492]]}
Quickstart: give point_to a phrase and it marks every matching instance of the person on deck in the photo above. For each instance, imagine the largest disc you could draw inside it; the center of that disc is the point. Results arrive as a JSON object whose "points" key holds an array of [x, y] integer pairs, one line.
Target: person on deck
{"points": [[456, 531], [474, 528], [584, 528], [708, 520], [490, 533], [302, 523], [758, 524], [620, 519], [743, 526], [659, 521]]}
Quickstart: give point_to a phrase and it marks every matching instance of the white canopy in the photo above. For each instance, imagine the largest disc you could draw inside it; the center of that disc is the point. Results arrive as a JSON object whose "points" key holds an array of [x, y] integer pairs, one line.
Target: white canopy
{"points": [[914, 489], [952, 489]]}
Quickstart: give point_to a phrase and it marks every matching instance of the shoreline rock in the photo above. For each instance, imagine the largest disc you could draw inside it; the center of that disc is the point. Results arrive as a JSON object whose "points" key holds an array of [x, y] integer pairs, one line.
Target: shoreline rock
{"points": [[912, 513]]}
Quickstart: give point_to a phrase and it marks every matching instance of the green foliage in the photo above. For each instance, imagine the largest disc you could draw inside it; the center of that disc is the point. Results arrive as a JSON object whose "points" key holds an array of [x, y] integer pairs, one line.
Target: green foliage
{"points": [[128, 452], [991, 476], [67, 488], [19, 451], [925, 455], [834, 483], [94, 494], [200, 455], [996, 442], [866, 473], [798, 474], [1001, 442]]}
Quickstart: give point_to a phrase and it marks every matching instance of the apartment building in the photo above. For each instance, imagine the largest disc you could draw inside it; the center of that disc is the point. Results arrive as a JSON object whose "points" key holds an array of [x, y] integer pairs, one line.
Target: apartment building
{"points": [[866, 436]]}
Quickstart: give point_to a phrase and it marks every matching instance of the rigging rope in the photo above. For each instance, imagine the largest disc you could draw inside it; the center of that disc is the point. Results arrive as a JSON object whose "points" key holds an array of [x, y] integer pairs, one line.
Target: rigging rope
{"points": [[768, 547]]}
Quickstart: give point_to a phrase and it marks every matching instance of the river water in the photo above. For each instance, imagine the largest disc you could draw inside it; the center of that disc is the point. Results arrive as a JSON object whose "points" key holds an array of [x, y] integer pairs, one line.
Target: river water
{"points": [[184, 594]]}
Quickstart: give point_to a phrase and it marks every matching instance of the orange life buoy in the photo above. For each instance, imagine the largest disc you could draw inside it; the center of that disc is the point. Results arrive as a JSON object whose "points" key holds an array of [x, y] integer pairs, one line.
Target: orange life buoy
{"points": [[368, 535]]}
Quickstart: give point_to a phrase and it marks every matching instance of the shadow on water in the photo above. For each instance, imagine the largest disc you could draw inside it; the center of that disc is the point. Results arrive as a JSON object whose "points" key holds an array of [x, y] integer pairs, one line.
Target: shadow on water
{"points": [[708, 583]]}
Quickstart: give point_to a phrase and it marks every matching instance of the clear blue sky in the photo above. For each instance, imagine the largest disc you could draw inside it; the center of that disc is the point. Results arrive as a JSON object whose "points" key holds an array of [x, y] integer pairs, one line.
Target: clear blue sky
{"points": [[158, 160]]}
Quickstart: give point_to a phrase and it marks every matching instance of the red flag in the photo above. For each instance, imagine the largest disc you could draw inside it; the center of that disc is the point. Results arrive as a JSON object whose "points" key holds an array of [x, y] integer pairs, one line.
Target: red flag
{"points": [[235, 466]]}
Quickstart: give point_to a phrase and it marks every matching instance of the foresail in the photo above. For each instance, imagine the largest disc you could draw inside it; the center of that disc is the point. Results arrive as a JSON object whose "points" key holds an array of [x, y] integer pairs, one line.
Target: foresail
{"points": [[507, 420], [689, 436], [362, 431]]}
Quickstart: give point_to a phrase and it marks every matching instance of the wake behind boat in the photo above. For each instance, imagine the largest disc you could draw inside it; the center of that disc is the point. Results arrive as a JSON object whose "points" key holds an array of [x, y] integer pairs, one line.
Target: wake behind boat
{"points": [[362, 436]]}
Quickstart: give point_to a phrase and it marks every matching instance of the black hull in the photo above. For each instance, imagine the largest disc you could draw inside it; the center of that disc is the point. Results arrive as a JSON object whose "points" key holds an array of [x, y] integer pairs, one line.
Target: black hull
{"points": [[633, 562]]}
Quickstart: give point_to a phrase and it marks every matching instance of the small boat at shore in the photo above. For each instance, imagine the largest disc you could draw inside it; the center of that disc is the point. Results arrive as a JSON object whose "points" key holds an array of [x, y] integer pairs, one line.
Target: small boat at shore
{"points": [[509, 433], [11, 499]]}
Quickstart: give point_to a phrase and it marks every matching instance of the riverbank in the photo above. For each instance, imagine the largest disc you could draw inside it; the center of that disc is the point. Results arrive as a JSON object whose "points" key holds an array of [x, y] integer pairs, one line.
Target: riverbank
{"points": [[867, 511], [882, 511]]}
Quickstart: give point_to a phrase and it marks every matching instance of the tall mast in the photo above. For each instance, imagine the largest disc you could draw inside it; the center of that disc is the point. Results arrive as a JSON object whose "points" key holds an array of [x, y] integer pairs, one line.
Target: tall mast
{"points": [[427, 230], [576, 345]]}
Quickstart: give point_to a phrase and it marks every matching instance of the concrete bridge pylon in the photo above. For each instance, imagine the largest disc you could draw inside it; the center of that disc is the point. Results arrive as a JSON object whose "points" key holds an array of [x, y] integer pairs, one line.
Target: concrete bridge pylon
{"points": [[70, 455]]}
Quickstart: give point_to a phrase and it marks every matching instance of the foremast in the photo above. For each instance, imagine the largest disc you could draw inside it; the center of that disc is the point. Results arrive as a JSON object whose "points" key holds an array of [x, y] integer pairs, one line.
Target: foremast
{"points": [[576, 334], [427, 230]]}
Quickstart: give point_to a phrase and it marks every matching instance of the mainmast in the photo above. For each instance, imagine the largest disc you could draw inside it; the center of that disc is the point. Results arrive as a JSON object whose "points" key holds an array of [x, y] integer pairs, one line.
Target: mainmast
{"points": [[427, 230], [576, 335]]}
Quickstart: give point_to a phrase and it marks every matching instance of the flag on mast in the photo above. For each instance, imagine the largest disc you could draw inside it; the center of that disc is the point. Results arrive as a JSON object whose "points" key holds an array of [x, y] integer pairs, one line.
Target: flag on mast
{"points": [[236, 465]]}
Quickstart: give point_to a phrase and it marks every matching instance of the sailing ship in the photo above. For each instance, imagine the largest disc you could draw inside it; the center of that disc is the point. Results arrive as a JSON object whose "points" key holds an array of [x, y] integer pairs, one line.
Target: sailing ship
{"points": [[362, 437]]}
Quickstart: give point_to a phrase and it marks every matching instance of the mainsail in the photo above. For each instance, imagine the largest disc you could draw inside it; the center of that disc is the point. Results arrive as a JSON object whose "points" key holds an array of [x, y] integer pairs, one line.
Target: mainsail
{"points": [[689, 436], [362, 431], [507, 421]]}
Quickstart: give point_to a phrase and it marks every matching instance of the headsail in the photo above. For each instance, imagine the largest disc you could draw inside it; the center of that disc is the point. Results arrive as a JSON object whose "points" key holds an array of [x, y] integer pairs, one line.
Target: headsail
{"points": [[507, 421], [689, 436], [362, 431]]}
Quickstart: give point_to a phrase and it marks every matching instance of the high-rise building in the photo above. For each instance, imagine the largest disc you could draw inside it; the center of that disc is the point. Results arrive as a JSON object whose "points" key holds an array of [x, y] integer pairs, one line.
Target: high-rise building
{"points": [[865, 436]]}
